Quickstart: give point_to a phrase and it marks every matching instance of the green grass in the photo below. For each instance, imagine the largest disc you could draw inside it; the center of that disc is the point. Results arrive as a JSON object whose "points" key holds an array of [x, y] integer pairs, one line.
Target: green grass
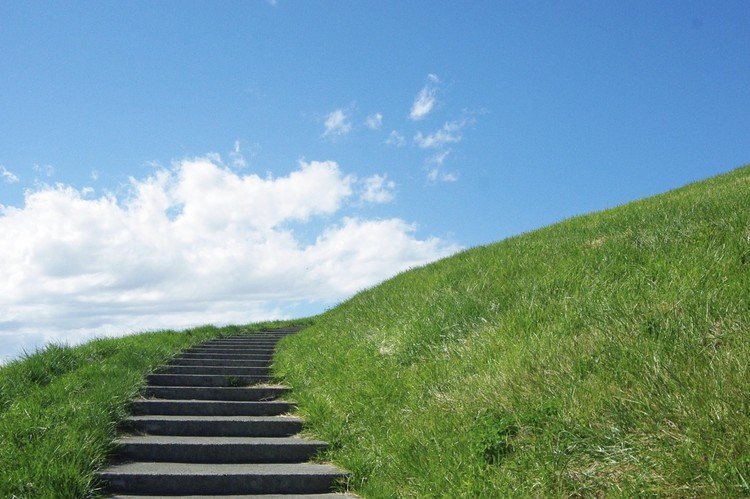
{"points": [[59, 407], [604, 355]]}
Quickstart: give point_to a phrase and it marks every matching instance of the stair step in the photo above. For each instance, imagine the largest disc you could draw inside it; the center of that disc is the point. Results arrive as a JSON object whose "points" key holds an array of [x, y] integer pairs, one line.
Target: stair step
{"points": [[239, 343], [182, 478], [208, 408], [219, 426], [330, 495], [225, 370], [217, 449], [240, 351], [225, 356], [214, 393], [216, 380], [214, 346], [218, 363]]}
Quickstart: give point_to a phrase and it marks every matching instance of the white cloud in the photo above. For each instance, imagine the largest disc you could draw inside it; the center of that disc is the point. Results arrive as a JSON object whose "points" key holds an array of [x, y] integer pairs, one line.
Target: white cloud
{"points": [[337, 123], [450, 133], [436, 174], [238, 159], [374, 121], [395, 139], [425, 100], [8, 176], [378, 189], [46, 170], [439, 158], [196, 243]]}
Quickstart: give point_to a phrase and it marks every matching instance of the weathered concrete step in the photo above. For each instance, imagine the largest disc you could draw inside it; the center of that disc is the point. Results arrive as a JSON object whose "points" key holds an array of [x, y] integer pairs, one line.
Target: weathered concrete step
{"points": [[332, 495], [217, 380], [226, 370], [240, 343], [143, 407], [219, 362], [215, 426], [226, 479], [243, 351], [217, 449], [214, 393], [222, 356]]}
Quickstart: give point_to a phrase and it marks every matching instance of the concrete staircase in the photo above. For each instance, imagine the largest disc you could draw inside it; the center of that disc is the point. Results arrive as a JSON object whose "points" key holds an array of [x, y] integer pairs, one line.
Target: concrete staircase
{"points": [[210, 425]]}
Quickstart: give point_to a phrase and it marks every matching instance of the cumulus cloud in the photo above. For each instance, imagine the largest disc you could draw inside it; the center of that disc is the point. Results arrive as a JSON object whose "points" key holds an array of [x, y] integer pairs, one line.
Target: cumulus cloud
{"points": [[337, 123], [191, 244], [8, 176], [395, 139], [374, 121], [450, 133], [425, 99], [378, 189]]}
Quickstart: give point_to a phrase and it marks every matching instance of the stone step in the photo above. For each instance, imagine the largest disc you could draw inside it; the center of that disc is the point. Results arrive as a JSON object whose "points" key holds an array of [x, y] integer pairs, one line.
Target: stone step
{"points": [[243, 351], [217, 449], [217, 380], [215, 426], [144, 407], [232, 344], [331, 495], [214, 393], [202, 356], [219, 362], [224, 479], [226, 370]]}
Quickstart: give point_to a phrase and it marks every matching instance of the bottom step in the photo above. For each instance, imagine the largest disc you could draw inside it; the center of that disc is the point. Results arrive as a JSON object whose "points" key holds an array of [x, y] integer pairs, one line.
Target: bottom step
{"points": [[202, 479], [331, 495]]}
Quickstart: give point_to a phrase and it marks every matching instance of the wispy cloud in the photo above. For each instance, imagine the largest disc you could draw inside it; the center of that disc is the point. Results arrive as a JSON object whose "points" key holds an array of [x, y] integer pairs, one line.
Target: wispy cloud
{"points": [[374, 121], [439, 158], [450, 133], [425, 100], [395, 139], [378, 189], [337, 123], [8, 176], [46, 170], [238, 156], [436, 174]]}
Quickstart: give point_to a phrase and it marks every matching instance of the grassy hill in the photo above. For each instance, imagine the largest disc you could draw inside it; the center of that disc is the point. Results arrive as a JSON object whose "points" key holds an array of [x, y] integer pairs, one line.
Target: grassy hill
{"points": [[604, 355], [59, 407]]}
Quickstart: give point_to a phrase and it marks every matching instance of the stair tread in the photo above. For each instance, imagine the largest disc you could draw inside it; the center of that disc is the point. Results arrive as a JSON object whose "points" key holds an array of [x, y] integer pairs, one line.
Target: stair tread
{"points": [[211, 402], [250, 419], [198, 440], [330, 495], [206, 469]]}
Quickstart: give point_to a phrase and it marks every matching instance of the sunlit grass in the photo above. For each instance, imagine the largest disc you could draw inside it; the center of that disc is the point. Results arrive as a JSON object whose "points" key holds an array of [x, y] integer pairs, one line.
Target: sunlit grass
{"points": [[59, 407], [605, 355]]}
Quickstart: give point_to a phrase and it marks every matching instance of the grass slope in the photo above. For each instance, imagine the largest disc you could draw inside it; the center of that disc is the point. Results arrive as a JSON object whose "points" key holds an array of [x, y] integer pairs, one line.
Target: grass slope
{"points": [[604, 355], [59, 407]]}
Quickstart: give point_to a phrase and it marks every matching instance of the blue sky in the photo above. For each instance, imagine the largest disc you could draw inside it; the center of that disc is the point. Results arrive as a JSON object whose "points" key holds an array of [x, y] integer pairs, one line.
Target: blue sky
{"points": [[144, 146]]}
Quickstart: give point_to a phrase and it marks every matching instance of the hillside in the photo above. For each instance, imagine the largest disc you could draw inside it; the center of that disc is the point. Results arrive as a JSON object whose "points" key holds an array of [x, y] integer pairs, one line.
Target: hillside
{"points": [[59, 406], [604, 355]]}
